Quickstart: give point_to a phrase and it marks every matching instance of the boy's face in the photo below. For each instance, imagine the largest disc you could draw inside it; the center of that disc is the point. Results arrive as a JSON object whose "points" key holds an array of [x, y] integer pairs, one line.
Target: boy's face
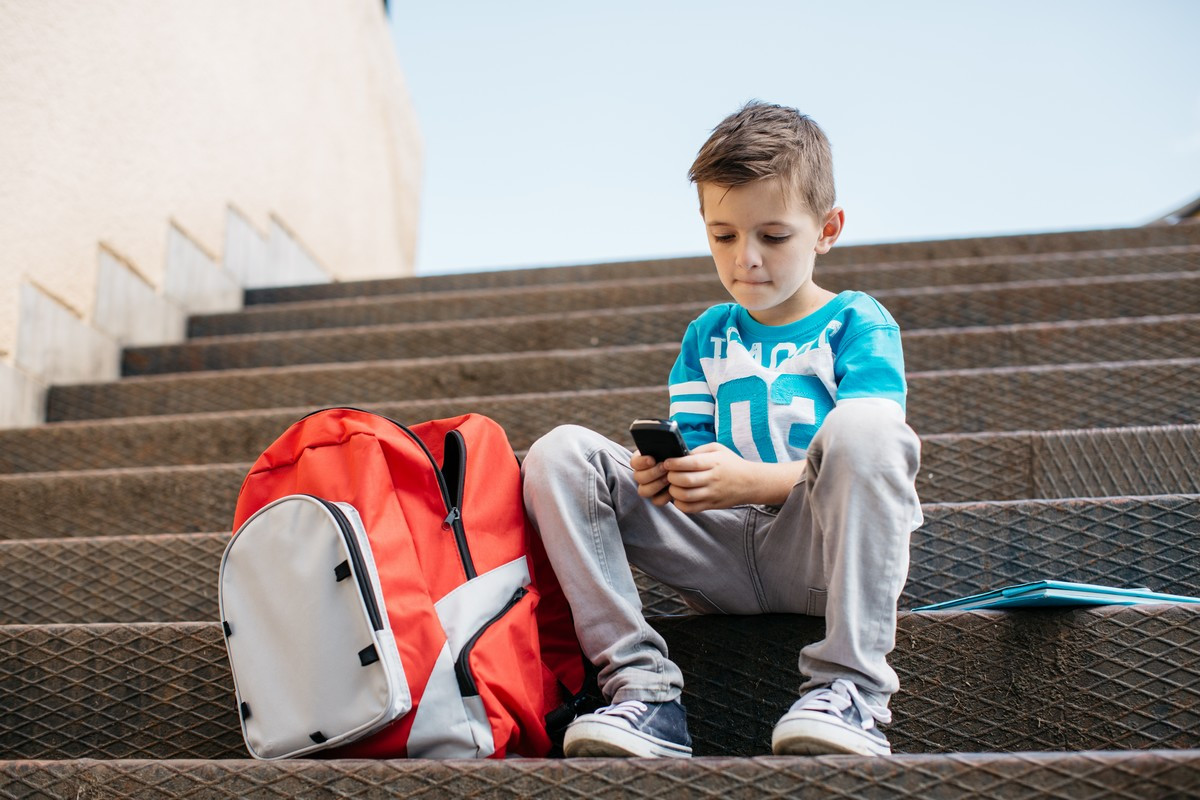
{"points": [[764, 244]]}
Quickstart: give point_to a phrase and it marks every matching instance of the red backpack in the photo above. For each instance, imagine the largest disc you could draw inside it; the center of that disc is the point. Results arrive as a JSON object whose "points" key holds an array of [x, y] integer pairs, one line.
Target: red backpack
{"points": [[453, 637]]}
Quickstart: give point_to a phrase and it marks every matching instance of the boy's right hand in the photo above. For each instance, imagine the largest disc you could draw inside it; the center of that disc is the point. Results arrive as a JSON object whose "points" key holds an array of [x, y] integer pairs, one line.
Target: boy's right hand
{"points": [[651, 478]]}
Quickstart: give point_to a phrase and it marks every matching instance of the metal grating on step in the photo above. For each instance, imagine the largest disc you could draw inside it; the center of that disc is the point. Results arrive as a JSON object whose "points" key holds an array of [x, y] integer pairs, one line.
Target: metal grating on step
{"points": [[1131, 339], [1112, 678], [1010, 398], [117, 691], [156, 578], [982, 467], [120, 502], [963, 549], [975, 547], [1130, 259], [1145, 461], [1055, 398], [1081, 776], [1112, 462], [1000, 303], [968, 548]]}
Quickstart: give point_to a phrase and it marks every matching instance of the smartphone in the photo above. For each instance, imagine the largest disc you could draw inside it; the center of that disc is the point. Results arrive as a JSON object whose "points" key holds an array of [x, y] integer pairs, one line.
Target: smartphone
{"points": [[658, 438]]}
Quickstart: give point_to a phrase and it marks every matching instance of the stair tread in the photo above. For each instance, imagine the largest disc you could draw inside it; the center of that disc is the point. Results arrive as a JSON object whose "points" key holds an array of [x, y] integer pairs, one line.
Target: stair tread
{"points": [[1106, 678], [974, 304], [835, 262], [998, 398], [1121, 775], [924, 349], [963, 549]]}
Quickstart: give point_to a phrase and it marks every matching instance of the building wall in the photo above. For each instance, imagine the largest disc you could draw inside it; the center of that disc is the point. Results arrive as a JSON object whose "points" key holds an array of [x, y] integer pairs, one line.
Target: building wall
{"points": [[133, 123]]}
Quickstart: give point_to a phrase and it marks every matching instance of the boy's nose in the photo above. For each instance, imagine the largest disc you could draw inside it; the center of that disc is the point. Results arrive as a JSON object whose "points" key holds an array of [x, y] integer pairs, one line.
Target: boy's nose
{"points": [[747, 258]]}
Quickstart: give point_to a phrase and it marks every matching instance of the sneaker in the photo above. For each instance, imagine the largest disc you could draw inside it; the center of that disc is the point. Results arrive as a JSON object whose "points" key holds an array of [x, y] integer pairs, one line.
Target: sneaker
{"points": [[835, 719], [631, 728]]}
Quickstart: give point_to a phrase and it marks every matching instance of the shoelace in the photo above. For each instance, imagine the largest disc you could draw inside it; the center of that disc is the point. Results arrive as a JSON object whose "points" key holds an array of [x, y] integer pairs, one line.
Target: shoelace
{"points": [[839, 697], [628, 710]]}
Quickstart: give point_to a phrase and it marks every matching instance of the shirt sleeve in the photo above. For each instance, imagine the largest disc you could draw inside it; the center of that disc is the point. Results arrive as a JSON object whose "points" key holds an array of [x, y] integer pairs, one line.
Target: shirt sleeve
{"points": [[871, 364], [692, 405]]}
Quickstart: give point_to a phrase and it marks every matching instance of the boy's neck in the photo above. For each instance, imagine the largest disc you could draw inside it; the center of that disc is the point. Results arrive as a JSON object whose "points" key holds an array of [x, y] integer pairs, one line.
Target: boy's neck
{"points": [[813, 301]]}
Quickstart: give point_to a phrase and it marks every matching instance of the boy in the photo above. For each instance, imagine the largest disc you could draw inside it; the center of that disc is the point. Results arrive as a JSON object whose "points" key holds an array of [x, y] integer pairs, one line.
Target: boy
{"points": [[798, 493]]}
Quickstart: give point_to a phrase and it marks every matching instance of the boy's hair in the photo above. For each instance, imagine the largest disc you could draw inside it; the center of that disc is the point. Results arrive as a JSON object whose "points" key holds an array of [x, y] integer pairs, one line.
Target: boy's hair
{"points": [[762, 140]]}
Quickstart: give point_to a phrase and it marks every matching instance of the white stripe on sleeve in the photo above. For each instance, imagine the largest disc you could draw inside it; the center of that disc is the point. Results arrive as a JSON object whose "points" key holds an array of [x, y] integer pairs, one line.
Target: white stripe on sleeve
{"points": [[690, 387], [693, 407]]}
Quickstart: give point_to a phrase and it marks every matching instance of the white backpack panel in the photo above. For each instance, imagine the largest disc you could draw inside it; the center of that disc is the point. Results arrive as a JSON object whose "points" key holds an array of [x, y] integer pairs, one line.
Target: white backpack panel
{"points": [[313, 657]]}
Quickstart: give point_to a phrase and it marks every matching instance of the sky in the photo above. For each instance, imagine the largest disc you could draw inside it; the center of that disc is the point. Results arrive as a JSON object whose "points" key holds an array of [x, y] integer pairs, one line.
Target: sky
{"points": [[561, 132]]}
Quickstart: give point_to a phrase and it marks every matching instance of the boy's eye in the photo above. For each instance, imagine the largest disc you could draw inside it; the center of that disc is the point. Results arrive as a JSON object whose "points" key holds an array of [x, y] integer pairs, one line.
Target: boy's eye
{"points": [[776, 239], [723, 237]]}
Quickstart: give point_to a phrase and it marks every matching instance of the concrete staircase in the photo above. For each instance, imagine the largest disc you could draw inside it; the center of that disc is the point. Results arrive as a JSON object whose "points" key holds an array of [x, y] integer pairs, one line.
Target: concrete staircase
{"points": [[1055, 380]]}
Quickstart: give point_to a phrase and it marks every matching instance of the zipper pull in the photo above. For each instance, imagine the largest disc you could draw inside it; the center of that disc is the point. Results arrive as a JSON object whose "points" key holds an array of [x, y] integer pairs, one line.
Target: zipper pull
{"points": [[450, 519]]}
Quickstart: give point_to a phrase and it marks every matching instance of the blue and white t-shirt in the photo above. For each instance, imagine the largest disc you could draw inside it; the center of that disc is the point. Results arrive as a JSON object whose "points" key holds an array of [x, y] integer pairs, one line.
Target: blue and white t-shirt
{"points": [[763, 390]]}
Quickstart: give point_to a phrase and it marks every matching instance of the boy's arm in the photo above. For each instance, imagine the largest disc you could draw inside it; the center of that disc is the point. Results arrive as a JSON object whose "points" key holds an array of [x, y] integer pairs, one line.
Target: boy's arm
{"points": [[869, 361], [692, 405]]}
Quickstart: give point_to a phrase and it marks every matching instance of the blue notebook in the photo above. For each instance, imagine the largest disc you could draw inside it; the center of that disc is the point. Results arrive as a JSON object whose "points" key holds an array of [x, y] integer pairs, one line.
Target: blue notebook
{"points": [[1058, 593]]}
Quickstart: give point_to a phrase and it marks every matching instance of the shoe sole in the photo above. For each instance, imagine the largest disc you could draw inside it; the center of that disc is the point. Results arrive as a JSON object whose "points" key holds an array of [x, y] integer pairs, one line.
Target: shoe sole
{"points": [[601, 738], [812, 734]]}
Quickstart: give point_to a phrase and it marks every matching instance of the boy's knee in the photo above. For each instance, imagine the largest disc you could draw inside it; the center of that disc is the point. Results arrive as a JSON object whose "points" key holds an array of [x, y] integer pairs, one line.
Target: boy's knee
{"points": [[563, 445], [870, 433]]}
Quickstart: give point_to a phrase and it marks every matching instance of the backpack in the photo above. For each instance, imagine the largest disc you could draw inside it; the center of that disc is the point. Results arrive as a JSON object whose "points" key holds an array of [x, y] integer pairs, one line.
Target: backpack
{"points": [[384, 595]]}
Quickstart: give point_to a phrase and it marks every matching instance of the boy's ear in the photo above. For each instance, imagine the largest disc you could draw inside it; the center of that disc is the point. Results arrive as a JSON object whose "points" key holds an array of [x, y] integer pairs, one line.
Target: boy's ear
{"points": [[831, 229]]}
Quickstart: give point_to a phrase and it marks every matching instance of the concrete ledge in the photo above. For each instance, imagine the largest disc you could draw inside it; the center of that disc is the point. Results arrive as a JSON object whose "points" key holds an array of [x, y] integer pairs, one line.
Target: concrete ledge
{"points": [[55, 344], [24, 398], [129, 310], [194, 279], [273, 259]]}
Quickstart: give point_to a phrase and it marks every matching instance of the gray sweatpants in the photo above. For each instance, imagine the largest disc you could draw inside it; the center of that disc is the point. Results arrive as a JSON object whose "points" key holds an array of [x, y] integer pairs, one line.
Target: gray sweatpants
{"points": [[838, 547]]}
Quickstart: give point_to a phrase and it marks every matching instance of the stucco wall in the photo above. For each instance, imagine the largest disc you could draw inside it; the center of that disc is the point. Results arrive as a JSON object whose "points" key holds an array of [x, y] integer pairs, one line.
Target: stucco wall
{"points": [[118, 117]]}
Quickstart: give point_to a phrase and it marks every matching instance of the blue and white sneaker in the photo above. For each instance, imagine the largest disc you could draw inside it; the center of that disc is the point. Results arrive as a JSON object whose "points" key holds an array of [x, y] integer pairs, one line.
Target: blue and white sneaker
{"points": [[631, 728], [835, 719]]}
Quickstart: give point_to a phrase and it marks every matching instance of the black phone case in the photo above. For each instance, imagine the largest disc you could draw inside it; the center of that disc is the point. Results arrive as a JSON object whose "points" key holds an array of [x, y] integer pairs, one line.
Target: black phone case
{"points": [[659, 444]]}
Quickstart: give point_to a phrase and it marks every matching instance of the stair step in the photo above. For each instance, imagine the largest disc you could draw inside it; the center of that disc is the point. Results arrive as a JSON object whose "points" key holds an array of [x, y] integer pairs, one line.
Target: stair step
{"points": [[1024, 244], [1158, 293], [1140, 775], [240, 437], [962, 549], [1108, 678], [1008, 398], [925, 349], [194, 498], [965, 268], [162, 577]]}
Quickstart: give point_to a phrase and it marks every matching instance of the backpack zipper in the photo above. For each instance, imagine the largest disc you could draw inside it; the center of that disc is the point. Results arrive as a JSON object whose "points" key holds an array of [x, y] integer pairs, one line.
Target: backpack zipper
{"points": [[453, 520], [462, 668], [360, 567]]}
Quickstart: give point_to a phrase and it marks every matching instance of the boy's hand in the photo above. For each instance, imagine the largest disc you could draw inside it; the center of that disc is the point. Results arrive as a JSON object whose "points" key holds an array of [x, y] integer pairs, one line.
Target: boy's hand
{"points": [[713, 476], [651, 478]]}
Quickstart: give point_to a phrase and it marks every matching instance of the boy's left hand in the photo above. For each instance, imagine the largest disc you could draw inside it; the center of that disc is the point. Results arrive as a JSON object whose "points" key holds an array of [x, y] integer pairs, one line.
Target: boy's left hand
{"points": [[714, 476]]}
